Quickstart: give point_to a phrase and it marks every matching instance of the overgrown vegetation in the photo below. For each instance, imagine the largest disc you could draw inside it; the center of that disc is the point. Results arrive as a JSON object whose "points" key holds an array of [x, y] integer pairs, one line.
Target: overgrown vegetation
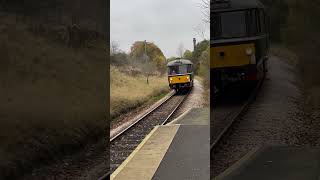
{"points": [[295, 24], [204, 67], [52, 89]]}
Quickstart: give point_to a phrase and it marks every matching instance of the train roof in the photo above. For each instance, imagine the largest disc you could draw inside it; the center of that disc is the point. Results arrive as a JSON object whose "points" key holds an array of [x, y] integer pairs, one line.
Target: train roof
{"points": [[179, 62], [229, 5]]}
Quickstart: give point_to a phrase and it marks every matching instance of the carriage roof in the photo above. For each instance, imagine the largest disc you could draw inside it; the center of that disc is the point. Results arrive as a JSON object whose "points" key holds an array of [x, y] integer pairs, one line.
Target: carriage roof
{"points": [[178, 62], [229, 5]]}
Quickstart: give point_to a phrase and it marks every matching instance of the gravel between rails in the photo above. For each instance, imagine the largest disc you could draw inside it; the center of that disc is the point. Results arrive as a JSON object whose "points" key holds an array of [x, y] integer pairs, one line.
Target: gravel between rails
{"points": [[228, 105], [220, 120], [121, 147]]}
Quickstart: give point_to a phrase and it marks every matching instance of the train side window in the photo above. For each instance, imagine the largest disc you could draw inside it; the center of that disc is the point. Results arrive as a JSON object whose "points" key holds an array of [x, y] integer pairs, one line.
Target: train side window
{"points": [[257, 14], [252, 22], [189, 68], [216, 26], [263, 22]]}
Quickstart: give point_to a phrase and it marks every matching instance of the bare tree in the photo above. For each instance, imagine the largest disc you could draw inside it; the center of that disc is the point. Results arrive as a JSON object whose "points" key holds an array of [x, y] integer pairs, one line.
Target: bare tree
{"points": [[205, 6], [180, 50], [114, 47], [148, 68], [201, 30]]}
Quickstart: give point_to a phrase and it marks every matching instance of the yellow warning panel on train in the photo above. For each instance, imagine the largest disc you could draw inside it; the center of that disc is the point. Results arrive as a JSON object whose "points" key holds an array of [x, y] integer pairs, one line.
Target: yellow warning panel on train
{"points": [[231, 55], [179, 79]]}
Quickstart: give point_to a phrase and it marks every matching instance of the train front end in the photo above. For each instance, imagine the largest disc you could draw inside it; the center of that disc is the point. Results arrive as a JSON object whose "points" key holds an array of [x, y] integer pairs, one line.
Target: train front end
{"points": [[180, 74], [239, 43]]}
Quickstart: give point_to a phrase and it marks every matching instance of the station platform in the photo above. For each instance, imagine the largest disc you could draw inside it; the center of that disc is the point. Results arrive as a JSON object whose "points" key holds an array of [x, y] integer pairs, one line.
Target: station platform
{"points": [[276, 163], [179, 150]]}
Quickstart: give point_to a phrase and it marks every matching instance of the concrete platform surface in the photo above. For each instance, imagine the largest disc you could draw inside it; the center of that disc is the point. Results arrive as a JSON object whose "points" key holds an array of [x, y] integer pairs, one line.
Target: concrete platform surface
{"points": [[276, 163], [194, 116], [175, 151], [187, 156]]}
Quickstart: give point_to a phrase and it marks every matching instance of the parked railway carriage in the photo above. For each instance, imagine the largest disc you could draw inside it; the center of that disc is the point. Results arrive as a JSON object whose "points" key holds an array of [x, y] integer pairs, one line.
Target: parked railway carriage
{"points": [[180, 74], [239, 42]]}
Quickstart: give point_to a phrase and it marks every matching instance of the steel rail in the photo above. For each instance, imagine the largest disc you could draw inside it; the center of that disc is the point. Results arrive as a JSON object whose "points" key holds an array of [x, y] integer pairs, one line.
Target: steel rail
{"points": [[175, 109], [106, 176], [141, 118]]}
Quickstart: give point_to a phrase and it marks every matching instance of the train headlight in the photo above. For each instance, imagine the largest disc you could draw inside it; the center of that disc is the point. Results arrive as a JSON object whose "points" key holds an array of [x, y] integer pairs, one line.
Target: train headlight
{"points": [[188, 78], [170, 79], [249, 51]]}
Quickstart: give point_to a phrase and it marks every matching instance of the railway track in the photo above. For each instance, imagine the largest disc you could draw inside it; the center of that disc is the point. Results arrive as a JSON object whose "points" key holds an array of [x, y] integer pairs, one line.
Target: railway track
{"points": [[226, 115], [123, 143]]}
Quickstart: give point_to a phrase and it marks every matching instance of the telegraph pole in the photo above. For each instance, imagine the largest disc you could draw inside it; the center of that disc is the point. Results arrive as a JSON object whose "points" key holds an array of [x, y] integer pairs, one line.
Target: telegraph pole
{"points": [[146, 59], [145, 48]]}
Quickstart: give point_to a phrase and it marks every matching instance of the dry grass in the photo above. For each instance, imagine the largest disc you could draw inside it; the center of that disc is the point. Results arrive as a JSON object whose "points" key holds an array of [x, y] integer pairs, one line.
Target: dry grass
{"points": [[52, 98], [128, 92], [206, 92]]}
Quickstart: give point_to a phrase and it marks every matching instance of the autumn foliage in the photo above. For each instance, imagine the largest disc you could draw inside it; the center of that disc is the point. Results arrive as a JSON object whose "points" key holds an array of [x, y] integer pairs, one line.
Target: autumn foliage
{"points": [[153, 52]]}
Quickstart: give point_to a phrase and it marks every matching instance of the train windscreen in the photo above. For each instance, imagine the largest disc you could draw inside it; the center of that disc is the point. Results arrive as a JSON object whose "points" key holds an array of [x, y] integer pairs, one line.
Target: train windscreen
{"points": [[229, 25], [180, 69]]}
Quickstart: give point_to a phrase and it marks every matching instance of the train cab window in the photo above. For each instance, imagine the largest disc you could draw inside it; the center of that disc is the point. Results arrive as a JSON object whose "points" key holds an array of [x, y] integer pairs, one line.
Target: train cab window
{"points": [[180, 69], [229, 25], [233, 24]]}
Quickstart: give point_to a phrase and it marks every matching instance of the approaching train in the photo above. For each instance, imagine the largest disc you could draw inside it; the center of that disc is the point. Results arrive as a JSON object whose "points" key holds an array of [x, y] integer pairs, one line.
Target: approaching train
{"points": [[180, 74], [239, 42]]}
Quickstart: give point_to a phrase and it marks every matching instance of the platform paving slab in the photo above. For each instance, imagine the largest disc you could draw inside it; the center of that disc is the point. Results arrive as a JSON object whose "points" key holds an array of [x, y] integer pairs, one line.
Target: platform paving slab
{"points": [[276, 163]]}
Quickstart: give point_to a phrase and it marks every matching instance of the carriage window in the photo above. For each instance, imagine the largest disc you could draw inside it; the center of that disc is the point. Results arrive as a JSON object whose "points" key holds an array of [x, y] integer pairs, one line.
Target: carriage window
{"points": [[180, 69]]}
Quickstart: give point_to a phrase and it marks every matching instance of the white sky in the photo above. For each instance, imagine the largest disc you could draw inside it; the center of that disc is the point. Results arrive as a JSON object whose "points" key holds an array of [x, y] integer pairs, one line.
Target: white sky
{"points": [[167, 23]]}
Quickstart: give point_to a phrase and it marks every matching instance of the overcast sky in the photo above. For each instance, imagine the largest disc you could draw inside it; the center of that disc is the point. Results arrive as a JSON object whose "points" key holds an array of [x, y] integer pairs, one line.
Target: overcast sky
{"points": [[167, 23]]}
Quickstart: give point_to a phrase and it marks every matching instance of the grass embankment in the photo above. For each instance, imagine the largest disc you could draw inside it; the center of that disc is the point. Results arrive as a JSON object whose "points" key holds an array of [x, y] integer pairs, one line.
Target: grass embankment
{"points": [[129, 92], [52, 98]]}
